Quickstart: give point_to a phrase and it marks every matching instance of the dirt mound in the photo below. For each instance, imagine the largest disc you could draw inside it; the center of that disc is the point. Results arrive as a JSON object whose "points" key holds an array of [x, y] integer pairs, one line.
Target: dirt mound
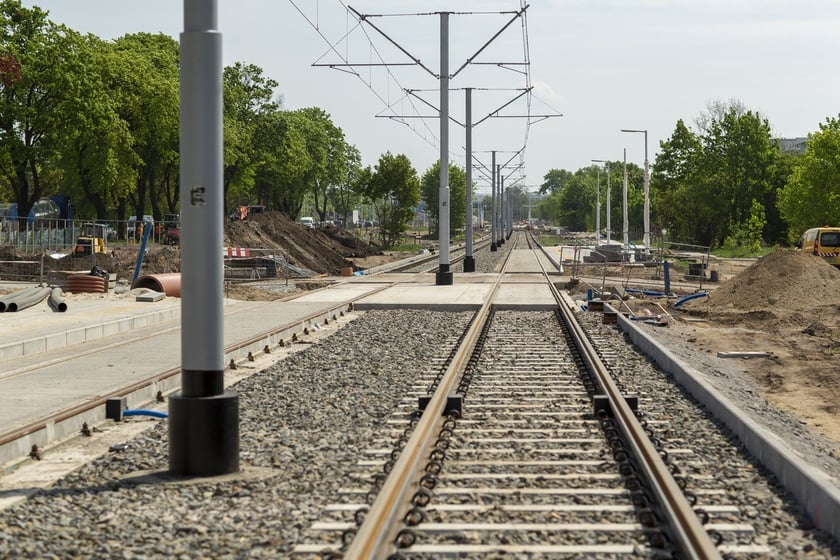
{"points": [[782, 281], [322, 250]]}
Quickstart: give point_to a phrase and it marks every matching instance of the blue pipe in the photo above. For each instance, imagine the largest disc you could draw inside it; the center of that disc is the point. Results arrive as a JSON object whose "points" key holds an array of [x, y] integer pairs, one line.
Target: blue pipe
{"points": [[147, 230], [689, 298], [645, 292], [144, 412]]}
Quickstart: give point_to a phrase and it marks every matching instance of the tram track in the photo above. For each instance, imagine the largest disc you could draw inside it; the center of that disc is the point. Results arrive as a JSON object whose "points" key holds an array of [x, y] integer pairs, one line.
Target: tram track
{"points": [[441, 480]]}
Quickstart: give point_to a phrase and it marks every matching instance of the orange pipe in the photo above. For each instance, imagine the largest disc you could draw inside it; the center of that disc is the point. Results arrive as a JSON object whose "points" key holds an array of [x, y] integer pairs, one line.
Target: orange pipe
{"points": [[169, 284]]}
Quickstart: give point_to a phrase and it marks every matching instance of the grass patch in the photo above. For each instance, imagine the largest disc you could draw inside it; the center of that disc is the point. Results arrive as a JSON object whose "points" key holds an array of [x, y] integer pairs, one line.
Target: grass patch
{"points": [[736, 252]]}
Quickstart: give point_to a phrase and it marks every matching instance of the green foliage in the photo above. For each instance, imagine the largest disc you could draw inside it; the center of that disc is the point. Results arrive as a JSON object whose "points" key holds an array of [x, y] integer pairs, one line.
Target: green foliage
{"points": [[811, 197], [574, 205], [704, 184], [345, 194], [96, 162], [99, 121], [144, 78], [247, 99], [731, 249], [280, 178], [554, 181], [749, 233], [394, 189], [430, 194], [37, 87]]}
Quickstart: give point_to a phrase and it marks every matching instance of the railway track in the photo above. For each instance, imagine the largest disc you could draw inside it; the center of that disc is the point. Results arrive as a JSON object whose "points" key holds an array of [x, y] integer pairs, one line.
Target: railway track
{"points": [[524, 445]]}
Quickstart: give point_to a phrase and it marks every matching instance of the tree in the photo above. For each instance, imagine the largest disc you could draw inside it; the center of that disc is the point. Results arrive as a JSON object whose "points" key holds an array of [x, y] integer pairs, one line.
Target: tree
{"points": [[554, 181], [394, 190], [146, 83], [430, 194], [345, 194], [37, 83], [326, 147], [673, 180], [280, 175], [704, 185], [738, 159], [247, 98], [95, 160], [811, 197]]}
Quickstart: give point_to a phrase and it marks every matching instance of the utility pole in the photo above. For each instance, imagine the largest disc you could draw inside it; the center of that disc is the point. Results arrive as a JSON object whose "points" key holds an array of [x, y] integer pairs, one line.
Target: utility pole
{"points": [[598, 204], [626, 227], [469, 259], [493, 172], [444, 275], [203, 417]]}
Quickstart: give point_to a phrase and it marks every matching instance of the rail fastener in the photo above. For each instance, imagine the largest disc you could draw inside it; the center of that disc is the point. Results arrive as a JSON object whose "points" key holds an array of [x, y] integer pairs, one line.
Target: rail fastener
{"points": [[602, 402], [453, 404]]}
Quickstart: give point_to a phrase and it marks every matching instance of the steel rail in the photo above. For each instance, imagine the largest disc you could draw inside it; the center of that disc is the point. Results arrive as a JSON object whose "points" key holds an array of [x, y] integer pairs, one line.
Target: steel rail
{"points": [[482, 244], [690, 534], [375, 538]]}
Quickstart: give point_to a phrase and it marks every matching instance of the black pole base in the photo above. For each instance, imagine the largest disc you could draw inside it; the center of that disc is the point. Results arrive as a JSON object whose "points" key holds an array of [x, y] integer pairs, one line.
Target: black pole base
{"points": [[493, 247], [443, 277], [469, 264], [204, 434]]}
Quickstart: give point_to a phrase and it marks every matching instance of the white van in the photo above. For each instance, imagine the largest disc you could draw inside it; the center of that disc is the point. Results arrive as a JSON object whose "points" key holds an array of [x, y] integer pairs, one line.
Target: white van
{"points": [[308, 222]]}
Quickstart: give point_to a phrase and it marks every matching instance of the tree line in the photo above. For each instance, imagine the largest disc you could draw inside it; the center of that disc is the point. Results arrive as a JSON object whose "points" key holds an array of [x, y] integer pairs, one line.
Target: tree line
{"points": [[723, 182], [98, 121]]}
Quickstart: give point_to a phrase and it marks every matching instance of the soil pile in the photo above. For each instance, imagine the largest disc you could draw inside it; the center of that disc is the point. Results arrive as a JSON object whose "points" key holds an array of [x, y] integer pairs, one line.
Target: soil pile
{"points": [[321, 250], [784, 281]]}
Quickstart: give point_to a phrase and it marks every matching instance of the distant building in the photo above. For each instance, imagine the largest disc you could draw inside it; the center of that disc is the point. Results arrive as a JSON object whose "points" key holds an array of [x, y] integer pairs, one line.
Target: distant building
{"points": [[796, 145]]}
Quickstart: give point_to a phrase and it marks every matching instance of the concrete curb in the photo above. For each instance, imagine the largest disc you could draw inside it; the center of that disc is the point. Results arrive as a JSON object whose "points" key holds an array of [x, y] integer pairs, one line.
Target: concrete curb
{"points": [[812, 488], [37, 345]]}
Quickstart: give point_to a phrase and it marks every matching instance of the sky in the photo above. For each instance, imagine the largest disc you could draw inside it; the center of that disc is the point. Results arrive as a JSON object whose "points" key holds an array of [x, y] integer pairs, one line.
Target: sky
{"points": [[596, 67]]}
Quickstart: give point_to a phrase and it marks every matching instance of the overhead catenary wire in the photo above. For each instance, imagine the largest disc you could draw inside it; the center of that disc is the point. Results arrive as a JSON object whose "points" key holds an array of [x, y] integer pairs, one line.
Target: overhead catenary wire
{"points": [[425, 131]]}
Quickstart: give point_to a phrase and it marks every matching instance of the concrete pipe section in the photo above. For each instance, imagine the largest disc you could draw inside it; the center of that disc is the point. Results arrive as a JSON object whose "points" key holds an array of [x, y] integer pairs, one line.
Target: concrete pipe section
{"points": [[169, 284]]}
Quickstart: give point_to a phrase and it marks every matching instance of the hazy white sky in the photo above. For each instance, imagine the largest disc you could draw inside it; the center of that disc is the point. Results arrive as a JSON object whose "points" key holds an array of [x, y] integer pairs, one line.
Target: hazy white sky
{"points": [[604, 64]]}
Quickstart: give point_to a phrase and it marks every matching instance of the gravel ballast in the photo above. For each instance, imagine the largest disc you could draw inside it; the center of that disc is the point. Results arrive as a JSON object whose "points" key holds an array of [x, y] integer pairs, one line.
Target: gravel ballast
{"points": [[302, 422]]}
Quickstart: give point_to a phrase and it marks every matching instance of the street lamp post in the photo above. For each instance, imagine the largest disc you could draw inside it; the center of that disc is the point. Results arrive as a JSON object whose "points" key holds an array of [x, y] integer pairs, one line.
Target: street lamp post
{"points": [[625, 226], [647, 191], [598, 202]]}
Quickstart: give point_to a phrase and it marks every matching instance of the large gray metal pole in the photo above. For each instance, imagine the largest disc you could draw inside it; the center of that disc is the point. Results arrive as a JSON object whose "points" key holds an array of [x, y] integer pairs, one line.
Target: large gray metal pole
{"points": [[609, 231], [469, 259], [598, 207], [647, 199], [444, 275], [625, 227], [203, 417], [502, 201], [493, 177]]}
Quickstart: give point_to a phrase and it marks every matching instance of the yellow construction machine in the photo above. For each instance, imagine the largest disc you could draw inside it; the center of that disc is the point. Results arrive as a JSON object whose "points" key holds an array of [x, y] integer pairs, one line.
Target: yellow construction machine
{"points": [[92, 239]]}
